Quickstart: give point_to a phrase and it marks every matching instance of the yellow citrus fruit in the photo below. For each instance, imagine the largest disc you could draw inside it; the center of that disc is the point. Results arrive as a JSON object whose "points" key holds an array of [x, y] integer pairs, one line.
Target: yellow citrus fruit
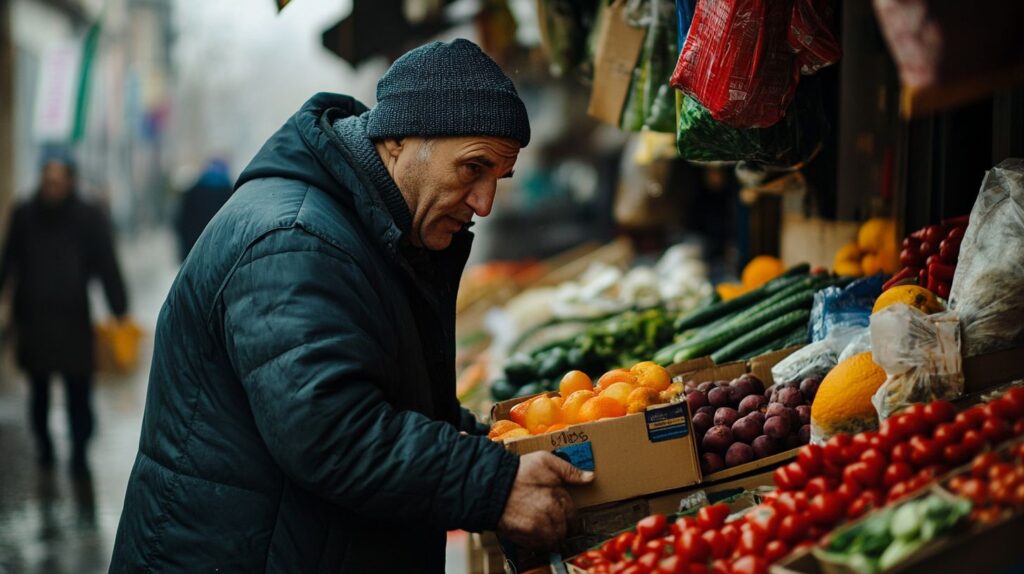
{"points": [[761, 270], [651, 375], [843, 401], [571, 405], [574, 381], [849, 253], [870, 264], [618, 391], [889, 259], [614, 376], [601, 407], [556, 427], [518, 412], [913, 295], [731, 290], [502, 427], [542, 412], [875, 234], [514, 433], [640, 399], [849, 269]]}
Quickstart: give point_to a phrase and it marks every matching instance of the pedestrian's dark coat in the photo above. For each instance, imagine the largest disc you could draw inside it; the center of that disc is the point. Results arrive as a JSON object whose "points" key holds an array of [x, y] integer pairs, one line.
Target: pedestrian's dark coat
{"points": [[52, 252], [301, 414]]}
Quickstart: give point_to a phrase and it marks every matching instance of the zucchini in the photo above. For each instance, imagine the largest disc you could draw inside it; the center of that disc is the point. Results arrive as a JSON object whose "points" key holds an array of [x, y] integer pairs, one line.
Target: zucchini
{"points": [[761, 335]]}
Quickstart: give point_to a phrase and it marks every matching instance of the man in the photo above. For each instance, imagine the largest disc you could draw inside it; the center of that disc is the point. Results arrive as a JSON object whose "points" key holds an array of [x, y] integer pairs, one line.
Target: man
{"points": [[200, 203], [301, 414], [56, 244]]}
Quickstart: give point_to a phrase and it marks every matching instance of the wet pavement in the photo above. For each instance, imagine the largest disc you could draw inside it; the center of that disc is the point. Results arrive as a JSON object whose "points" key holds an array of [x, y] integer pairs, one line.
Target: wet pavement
{"points": [[52, 522]]}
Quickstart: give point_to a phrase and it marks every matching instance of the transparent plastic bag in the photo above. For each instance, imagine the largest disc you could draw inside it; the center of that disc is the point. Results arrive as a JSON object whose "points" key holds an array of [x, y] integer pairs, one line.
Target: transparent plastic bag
{"points": [[815, 359], [990, 271], [859, 343], [920, 355], [847, 307]]}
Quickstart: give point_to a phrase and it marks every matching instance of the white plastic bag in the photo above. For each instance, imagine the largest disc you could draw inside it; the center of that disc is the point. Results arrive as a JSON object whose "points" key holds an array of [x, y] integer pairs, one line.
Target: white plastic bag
{"points": [[859, 343], [986, 290], [815, 359], [920, 355]]}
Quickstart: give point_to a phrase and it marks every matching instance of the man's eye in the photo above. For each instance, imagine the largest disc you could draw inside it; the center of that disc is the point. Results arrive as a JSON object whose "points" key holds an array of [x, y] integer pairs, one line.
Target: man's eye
{"points": [[472, 170]]}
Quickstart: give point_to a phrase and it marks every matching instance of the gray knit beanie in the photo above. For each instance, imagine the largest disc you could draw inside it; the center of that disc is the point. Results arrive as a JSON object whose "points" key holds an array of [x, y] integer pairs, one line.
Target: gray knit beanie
{"points": [[452, 89]]}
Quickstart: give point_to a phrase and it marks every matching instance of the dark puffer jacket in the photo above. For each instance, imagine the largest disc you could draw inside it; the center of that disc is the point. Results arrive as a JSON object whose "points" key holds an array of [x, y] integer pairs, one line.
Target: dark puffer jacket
{"points": [[301, 414]]}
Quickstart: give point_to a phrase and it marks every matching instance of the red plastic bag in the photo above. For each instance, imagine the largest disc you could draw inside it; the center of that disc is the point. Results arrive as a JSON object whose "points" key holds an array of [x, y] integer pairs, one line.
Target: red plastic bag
{"points": [[737, 61], [811, 35]]}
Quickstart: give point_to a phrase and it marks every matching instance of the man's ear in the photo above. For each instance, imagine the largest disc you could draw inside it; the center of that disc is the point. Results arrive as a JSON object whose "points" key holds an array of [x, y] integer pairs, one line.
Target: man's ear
{"points": [[394, 147]]}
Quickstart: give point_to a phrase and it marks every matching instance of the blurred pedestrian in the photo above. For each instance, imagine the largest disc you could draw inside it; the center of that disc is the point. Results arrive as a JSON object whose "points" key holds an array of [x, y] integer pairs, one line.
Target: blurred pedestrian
{"points": [[56, 243], [301, 413], [200, 203]]}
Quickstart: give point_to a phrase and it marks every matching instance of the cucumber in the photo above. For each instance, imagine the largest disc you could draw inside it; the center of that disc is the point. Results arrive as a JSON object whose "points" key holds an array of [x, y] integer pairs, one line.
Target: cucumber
{"points": [[794, 337], [707, 314], [761, 335]]}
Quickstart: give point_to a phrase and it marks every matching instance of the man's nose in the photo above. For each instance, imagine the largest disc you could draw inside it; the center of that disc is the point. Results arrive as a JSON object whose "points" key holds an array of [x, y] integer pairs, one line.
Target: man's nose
{"points": [[481, 199]]}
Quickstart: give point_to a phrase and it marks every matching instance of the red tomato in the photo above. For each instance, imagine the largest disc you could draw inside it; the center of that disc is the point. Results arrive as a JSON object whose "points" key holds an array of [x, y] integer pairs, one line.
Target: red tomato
{"points": [[972, 442], [797, 475], [860, 443], [718, 544], [896, 472], [956, 483], [1014, 398], [752, 541], [835, 448], [985, 515], [898, 490], [764, 519], [672, 565], [995, 430], [648, 561], [781, 479], [901, 452], [817, 485], [712, 516], [924, 451], [868, 500], [658, 546], [811, 457], [983, 462], [937, 412], [848, 491], [698, 569], [634, 568], [731, 533], [775, 550], [1018, 428], [915, 410], [693, 546], [857, 474], [947, 433], [826, 509], [1017, 496], [1003, 409], [999, 470], [590, 558], [954, 454], [686, 522], [750, 565], [721, 567], [793, 528], [974, 490], [623, 542], [971, 418], [651, 527]]}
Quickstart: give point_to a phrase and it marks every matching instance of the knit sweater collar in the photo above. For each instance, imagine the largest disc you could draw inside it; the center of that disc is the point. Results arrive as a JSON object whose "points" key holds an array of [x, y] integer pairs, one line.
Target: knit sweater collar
{"points": [[355, 144]]}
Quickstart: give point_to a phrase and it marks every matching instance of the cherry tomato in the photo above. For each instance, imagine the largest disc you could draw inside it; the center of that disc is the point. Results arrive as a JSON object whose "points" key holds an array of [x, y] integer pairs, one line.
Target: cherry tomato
{"points": [[835, 448], [693, 546], [775, 550], [867, 501], [898, 490], [721, 567], [972, 442], [954, 454], [797, 475], [983, 462], [956, 483], [1018, 428], [686, 522], [913, 425], [634, 568], [750, 565], [765, 519], [590, 558], [793, 528], [974, 490], [674, 564], [817, 485], [1003, 408], [896, 472], [718, 544], [860, 443], [1017, 497], [971, 418], [923, 451], [623, 543], [658, 546], [638, 547], [651, 527], [915, 410], [811, 457], [999, 470], [937, 412], [995, 430], [752, 541], [648, 561], [849, 491], [731, 533], [947, 433], [901, 452], [698, 569], [712, 516], [826, 509], [985, 515], [1014, 399]]}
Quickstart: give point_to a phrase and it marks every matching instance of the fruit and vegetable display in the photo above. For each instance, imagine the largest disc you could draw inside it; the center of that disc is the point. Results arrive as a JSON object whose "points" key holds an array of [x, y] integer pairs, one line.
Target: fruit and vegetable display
{"points": [[890, 536], [828, 485], [994, 483], [617, 393], [874, 250], [930, 255], [740, 421], [843, 402], [771, 317]]}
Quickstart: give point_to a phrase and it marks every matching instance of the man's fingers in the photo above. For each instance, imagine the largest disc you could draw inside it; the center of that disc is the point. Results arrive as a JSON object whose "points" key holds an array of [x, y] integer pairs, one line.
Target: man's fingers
{"points": [[569, 473]]}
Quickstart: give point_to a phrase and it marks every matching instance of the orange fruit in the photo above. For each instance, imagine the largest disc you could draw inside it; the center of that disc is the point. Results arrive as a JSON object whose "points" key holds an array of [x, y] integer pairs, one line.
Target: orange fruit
{"points": [[731, 290], [502, 427], [557, 401], [913, 295], [614, 376], [600, 407], [640, 399], [651, 375], [574, 381], [870, 264], [514, 433], [571, 405], [543, 412], [518, 412], [618, 391], [761, 270], [556, 427]]}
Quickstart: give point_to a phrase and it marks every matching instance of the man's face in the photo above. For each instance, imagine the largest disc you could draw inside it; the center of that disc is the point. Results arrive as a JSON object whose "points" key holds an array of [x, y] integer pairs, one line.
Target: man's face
{"points": [[446, 181], [55, 185]]}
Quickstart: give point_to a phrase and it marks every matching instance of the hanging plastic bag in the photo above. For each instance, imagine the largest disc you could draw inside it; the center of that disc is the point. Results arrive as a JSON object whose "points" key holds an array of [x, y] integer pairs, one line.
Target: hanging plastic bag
{"points": [[990, 271], [737, 63], [117, 346], [651, 101], [815, 360], [848, 307], [920, 355], [811, 35], [789, 143]]}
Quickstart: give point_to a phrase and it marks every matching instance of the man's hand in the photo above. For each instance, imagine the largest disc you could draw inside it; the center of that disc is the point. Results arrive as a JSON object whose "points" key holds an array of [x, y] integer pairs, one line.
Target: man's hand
{"points": [[539, 509]]}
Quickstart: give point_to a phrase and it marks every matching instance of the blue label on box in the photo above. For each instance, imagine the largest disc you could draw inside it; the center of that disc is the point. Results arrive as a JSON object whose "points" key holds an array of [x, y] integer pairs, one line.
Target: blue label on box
{"points": [[666, 423], [579, 455]]}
